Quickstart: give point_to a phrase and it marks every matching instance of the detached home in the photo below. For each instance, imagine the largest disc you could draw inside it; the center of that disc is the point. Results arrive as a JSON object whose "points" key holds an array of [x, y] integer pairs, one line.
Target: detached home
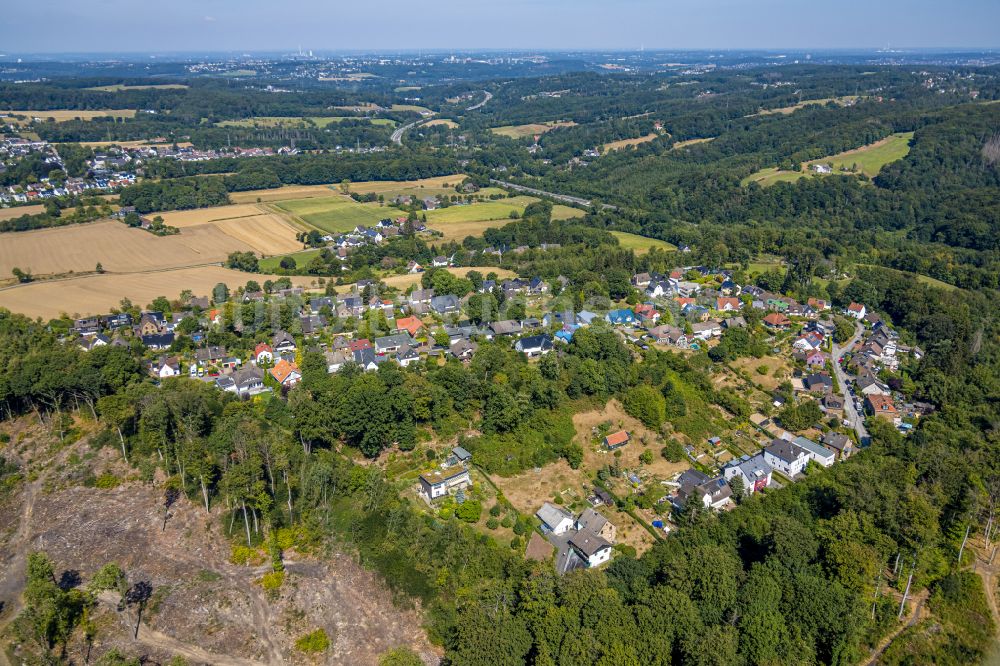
{"points": [[534, 345], [554, 519], [591, 548], [786, 457], [441, 482]]}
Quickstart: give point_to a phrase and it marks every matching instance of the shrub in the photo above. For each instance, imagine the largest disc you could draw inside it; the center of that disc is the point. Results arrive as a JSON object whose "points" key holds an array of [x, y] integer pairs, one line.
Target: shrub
{"points": [[314, 642], [272, 580], [492, 523], [107, 481], [245, 556], [507, 522], [401, 656], [469, 511], [495, 510]]}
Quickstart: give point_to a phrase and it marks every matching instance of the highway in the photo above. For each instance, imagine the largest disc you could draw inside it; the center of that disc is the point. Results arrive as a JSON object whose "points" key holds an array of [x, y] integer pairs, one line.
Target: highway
{"points": [[850, 411], [552, 195], [480, 105], [397, 136]]}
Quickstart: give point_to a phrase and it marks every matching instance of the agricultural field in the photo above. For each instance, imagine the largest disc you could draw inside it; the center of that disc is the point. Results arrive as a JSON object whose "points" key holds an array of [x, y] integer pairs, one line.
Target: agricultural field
{"points": [[97, 294], [285, 193], [335, 213], [300, 122], [118, 87], [625, 143], [266, 232], [868, 160], [387, 187], [481, 211], [63, 115], [18, 211], [560, 212], [531, 129], [641, 244]]}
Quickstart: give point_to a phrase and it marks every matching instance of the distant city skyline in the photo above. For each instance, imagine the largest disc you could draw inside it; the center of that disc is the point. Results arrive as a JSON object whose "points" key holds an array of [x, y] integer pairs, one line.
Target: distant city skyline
{"points": [[106, 26]]}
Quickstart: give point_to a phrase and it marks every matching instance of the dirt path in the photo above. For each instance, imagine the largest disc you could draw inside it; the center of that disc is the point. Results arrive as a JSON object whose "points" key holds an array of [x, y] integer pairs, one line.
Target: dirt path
{"points": [[12, 576], [887, 641]]}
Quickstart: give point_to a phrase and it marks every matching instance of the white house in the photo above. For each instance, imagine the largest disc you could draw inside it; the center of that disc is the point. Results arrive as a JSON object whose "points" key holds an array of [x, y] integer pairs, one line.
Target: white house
{"points": [[819, 454], [440, 482], [554, 519], [534, 345], [756, 473], [167, 367], [787, 458], [857, 310], [591, 548]]}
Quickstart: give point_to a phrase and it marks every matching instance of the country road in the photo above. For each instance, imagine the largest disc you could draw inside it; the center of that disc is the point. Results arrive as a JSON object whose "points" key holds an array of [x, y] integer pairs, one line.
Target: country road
{"points": [[850, 411], [552, 195], [483, 103]]}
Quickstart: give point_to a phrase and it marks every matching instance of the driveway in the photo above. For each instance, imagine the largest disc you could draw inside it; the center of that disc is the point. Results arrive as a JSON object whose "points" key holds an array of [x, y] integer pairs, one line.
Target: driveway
{"points": [[566, 558], [850, 411]]}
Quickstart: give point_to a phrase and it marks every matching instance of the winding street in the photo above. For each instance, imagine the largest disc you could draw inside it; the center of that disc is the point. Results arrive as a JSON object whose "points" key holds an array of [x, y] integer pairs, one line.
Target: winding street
{"points": [[397, 136], [552, 195], [481, 104], [850, 411]]}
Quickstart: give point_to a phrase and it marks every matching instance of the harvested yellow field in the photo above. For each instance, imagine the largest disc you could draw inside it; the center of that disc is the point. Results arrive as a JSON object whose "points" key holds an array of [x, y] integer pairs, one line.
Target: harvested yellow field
{"points": [[383, 186], [18, 211], [690, 142], [198, 216], [97, 294], [282, 193], [128, 144], [450, 124], [531, 129], [62, 115], [457, 231], [625, 143], [119, 249]]}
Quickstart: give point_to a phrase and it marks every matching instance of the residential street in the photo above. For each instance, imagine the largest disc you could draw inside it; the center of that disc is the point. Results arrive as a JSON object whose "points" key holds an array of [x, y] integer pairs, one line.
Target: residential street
{"points": [[850, 411]]}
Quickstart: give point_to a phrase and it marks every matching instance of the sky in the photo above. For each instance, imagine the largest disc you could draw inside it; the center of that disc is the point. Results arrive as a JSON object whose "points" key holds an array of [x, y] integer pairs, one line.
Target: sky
{"points": [[397, 25]]}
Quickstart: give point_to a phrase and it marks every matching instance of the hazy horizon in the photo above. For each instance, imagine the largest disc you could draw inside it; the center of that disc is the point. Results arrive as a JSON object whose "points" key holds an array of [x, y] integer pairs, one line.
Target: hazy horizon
{"points": [[392, 26]]}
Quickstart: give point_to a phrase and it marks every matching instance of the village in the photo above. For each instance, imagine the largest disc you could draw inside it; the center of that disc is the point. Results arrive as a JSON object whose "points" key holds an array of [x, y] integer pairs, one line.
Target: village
{"points": [[629, 502]]}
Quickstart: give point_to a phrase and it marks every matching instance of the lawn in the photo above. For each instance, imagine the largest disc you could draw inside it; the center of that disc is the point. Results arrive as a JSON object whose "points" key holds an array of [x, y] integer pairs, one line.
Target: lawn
{"points": [[690, 142], [560, 212], [410, 107], [334, 214], [625, 143], [531, 129], [641, 244], [785, 110], [868, 160], [271, 264]]}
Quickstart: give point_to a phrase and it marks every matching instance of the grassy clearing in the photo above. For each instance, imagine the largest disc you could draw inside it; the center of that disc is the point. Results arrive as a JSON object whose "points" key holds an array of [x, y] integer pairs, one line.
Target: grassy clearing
{"points": [[867, 160], [625, 143], [531, 129], [63, 115], [560, 212], [285, 193], [641, 244], [422, 110], [302, 258], [680, 145], [118, 87], [926, 279], [450, 124], [389, 186], [785, 110]]}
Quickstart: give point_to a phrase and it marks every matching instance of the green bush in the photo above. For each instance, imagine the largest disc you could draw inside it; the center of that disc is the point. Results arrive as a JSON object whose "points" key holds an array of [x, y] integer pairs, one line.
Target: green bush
{"points": [[492, 523], [314, 642], [469, 511]]}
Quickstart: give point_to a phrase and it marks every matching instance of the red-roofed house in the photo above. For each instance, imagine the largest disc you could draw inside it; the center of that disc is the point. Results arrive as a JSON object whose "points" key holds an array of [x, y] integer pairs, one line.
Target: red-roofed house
{"points": [[263, 353], [358, 345], [857, 310], [646, 312], [411, 325], [818, 304], [684, 302], [882, 406], [727, 304], [616, 440], [777, 320], [285, 373]]}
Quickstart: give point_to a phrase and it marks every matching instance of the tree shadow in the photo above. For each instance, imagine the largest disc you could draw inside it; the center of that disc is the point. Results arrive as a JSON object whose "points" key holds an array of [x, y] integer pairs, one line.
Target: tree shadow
{"points": [[69, 579]]}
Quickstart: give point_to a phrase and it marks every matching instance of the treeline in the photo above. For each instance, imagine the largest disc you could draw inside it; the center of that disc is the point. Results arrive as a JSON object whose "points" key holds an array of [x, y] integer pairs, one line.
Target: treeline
{"points": [[175, 194], [86, 210]]}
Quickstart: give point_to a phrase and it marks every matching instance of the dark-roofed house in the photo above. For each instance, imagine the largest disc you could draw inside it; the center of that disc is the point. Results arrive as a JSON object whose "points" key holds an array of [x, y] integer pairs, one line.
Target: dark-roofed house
{"points": [[820, 454], [818, 383], [592, 521], [591, 548], [754, 471], [158, 340], [786, 457], [445, 304], [283, 342], [534, 345], [840, 443], [393, 343], [506, 327], [463, 349]]}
